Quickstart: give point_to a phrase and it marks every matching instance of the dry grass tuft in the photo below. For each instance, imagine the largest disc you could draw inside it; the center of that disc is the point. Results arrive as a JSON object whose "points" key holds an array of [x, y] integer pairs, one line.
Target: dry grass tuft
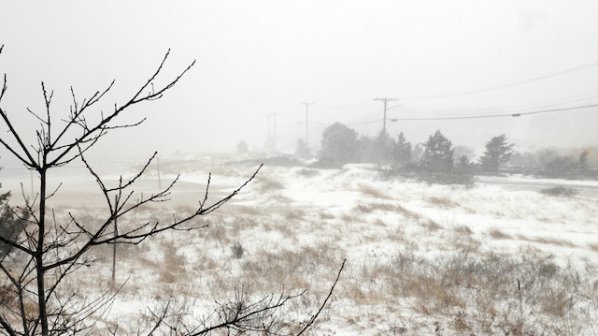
{"points": [[379, 222], [349, 218], [594, 247], [246, 210], [325, 215], [389, 207], [172, 266], [264, 184], [294, 214], [481, 293], [545, 240], [497, 234], [7, 296], [465, 244], [442, 202], [559, 191], [284, 228], [463, 229], [371, 191], [219, 232], [432, 225]]}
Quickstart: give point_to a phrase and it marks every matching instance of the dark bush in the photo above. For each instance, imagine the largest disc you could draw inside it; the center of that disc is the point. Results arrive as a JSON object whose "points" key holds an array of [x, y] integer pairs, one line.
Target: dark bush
{"points": [[560, 191]]}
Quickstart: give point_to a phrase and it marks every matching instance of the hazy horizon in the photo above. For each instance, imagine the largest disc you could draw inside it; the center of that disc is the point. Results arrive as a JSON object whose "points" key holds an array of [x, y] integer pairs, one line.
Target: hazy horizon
{"points": [[255, 59]]}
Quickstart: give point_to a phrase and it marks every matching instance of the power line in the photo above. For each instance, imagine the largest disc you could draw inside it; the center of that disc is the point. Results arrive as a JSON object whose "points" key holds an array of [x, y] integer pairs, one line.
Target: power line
{"points": [[483, 116], [506, 85], [364, 122], [510, 109], [581, 107]]}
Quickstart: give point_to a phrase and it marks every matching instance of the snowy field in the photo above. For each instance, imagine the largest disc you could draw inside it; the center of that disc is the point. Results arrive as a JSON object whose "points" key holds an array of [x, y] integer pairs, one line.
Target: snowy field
{"points": [[421, 259]]}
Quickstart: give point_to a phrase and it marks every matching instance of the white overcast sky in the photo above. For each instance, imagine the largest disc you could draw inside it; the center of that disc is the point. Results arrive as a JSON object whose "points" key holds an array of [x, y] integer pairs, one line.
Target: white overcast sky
{"points": [[255, 58]]}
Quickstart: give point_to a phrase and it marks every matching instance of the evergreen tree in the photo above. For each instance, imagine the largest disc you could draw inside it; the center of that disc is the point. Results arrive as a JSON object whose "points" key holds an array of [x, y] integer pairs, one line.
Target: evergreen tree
{"points": [[498, 152], [383, 148], [401, 149], [11, 224], [438, 153], [365, 150], [463, 165]]}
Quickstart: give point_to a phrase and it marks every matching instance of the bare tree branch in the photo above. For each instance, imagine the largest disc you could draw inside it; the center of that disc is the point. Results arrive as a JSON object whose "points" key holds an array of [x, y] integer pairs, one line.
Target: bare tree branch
{"points": [[105, 121], [315, 316]]}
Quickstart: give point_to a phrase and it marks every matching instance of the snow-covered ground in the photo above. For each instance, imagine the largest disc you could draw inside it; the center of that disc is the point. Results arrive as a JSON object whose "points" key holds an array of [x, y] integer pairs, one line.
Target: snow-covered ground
{"points": [[421, 259]]}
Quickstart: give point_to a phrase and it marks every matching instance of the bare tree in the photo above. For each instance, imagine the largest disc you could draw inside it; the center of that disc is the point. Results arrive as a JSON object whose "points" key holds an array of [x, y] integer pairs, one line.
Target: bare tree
{"points": [[50, 247]]}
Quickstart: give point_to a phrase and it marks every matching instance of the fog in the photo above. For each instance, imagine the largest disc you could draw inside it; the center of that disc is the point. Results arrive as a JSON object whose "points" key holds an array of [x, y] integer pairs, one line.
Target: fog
{"points": [[255, 59]]}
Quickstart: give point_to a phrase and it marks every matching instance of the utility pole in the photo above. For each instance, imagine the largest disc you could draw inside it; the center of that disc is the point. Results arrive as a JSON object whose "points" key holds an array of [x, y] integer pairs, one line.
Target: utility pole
{"points": [[306, 120], [268, 126], [385, 100], [158, 169], [273, 115]]}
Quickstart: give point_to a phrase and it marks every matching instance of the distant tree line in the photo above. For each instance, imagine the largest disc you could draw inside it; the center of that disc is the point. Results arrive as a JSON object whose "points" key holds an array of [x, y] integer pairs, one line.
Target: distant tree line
{"points": [[439, 157]]}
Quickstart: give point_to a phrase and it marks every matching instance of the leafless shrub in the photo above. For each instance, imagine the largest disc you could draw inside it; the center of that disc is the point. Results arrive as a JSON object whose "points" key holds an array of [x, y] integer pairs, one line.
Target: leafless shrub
{"points": [[237, 249], [306, 172]]}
